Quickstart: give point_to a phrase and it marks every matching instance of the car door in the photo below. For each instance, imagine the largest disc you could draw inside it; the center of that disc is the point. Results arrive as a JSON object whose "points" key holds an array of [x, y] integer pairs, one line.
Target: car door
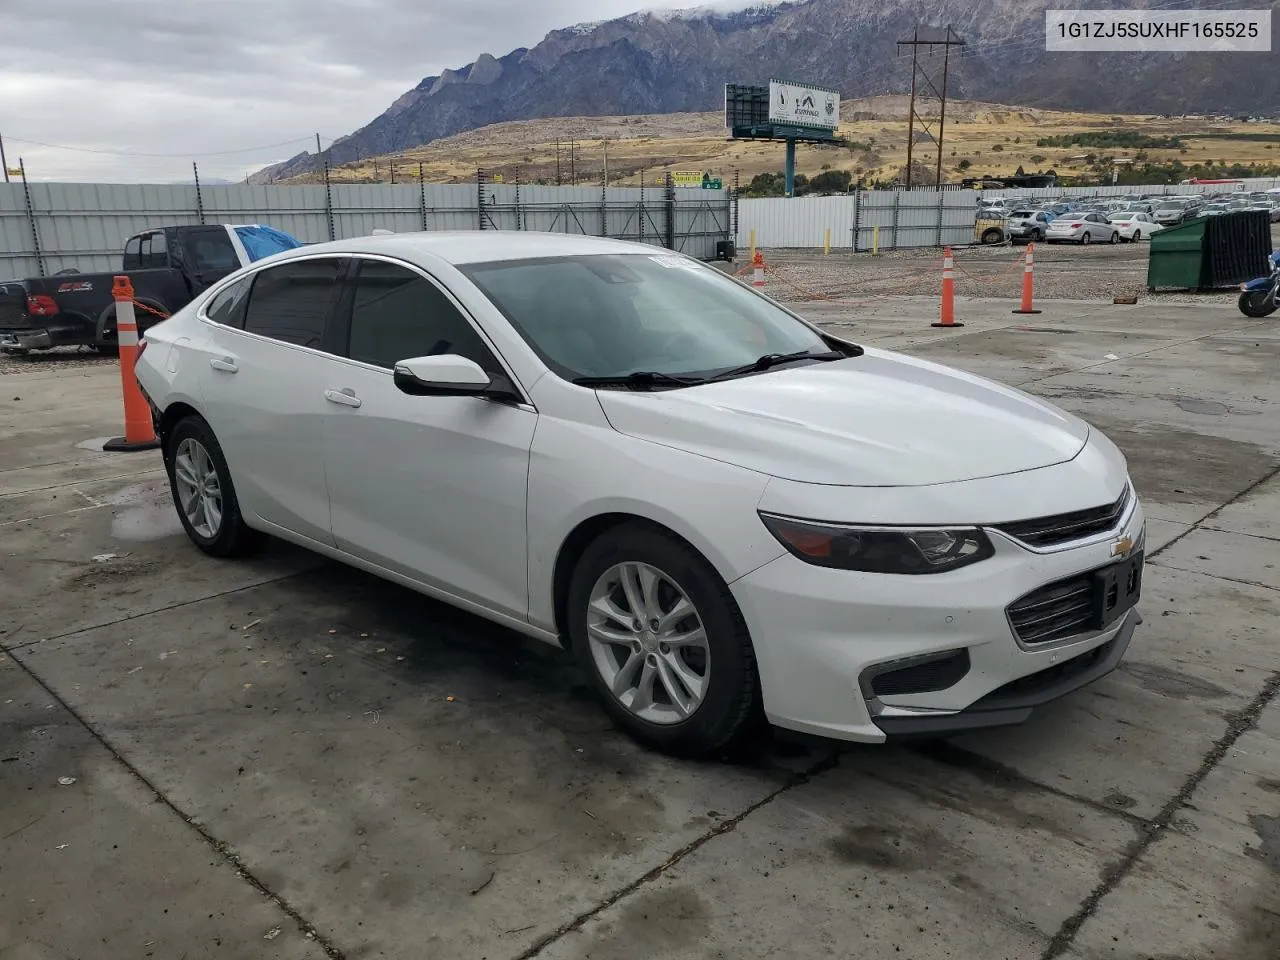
{"points": [[434, 488], [263, 371], [207, 255]]}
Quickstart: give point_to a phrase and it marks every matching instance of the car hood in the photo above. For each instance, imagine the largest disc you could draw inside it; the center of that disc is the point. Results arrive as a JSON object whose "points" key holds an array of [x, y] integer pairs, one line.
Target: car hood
{"points": [[878, 420]]}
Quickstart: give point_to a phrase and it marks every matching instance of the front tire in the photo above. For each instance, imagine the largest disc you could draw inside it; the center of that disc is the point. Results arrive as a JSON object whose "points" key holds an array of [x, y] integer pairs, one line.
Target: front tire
{"points": [[203, 493], [662, 641], [1115, 237], [1257, 303]]}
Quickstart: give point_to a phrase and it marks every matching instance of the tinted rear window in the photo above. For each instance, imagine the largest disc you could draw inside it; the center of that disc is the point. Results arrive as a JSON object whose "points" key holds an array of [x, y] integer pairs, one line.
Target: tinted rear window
{"points": [[291, 302]]}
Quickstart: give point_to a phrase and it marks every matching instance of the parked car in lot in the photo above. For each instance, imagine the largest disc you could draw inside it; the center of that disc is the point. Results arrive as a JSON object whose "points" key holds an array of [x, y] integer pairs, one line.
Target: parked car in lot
{"points": [[1170, 213], [168, 266], [1027, 225], [1134, 225], [1213, 210], [1082, 228], [722, 510]]}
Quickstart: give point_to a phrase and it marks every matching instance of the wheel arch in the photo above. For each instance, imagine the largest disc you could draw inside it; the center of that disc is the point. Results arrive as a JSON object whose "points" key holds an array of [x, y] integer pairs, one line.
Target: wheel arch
{"points": [[575, 545], [173, 414]]}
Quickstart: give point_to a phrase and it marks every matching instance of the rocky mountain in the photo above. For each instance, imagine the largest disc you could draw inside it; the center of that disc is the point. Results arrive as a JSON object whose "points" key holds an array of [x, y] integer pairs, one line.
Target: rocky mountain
{"points": [[663, 62]]}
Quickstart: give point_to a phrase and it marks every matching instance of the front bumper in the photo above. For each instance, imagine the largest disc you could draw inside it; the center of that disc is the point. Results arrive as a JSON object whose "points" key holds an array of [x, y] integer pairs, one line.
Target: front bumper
{"points": [[820, 634]]}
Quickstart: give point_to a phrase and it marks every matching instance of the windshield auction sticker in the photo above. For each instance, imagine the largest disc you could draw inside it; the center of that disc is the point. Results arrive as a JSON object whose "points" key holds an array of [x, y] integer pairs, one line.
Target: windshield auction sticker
{"points": [[1157, 31]]}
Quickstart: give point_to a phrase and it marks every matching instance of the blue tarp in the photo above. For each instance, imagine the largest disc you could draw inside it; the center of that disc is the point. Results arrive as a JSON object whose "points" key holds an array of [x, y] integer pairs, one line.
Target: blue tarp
{"points": [[262, 242]]}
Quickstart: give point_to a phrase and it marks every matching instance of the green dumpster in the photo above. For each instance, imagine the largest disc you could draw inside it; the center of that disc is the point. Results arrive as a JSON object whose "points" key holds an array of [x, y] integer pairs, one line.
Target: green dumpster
{"points": [[1178, 257]]}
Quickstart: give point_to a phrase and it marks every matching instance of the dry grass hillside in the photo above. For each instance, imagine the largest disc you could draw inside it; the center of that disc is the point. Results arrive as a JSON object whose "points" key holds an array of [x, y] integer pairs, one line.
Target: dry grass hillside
{"points": [[981, 138]]}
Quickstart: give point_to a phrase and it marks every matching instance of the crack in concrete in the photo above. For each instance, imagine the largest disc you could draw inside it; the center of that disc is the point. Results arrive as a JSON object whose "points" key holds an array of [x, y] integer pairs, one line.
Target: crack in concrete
{"points": [[1241, 533], [220, 847], [1218, 576], [26, 644], [1199, 524], [1239, 723], [727, 826]]}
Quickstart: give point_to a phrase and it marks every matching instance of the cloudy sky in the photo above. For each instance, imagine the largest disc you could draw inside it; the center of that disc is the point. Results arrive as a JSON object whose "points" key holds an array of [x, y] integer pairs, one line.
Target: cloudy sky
{"points": [[178, 80]]}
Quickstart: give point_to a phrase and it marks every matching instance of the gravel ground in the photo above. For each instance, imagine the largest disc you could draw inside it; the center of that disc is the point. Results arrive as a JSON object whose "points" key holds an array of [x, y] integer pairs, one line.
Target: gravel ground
{"points": [[1063, 271], [61, 358]]}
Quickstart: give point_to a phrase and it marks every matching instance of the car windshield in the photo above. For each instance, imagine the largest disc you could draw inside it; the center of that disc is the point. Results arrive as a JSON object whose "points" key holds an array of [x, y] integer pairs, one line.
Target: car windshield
{"points": [[1027, 214], [613, 315], [1124, 215]]}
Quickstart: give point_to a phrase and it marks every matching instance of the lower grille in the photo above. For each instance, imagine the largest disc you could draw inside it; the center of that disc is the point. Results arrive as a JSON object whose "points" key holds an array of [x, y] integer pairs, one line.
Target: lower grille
{"points": [[1046, 679], [1060, 610], [928, 676]]}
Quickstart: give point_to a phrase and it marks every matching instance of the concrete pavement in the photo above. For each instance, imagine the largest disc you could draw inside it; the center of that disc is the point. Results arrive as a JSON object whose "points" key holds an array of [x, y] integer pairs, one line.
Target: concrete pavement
{"points": [[294, 759]]}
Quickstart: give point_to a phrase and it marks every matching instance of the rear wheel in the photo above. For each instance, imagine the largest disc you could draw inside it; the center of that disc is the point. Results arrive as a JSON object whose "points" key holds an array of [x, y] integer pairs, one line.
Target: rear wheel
{"points": [[663, 642], [991, 236], [203, 493], [1137, 235], [1086, 239]]}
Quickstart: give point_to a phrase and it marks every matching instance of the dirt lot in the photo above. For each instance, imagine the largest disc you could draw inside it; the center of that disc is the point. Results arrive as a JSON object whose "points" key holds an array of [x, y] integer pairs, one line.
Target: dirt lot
{"points": [[1062, 271], [285, 758]]}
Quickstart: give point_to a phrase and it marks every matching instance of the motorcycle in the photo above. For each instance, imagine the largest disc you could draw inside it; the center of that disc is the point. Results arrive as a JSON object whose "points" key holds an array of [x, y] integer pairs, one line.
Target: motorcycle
{"points": [[1258, 297]]}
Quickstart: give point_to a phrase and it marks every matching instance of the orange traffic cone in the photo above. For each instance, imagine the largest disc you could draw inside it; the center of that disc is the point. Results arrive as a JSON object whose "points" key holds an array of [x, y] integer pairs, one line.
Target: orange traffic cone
{"points": [[139, 433], [948, 318], [1028, 272], [757, 265]]}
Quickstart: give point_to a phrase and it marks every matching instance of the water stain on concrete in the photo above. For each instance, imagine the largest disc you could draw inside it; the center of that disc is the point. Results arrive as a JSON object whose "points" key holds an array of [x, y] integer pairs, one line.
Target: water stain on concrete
{"points": [[148, 512], [880, 847], [1171, 465], [1209, 408], [1271, 786], [1172, 683], [669, 922], [1268, 831]]}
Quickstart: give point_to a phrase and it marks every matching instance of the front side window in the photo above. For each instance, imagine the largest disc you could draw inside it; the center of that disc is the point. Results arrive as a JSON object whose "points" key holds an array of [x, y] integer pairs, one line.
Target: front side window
{"points": [[397, 314], [292, 302], [612, 315]]}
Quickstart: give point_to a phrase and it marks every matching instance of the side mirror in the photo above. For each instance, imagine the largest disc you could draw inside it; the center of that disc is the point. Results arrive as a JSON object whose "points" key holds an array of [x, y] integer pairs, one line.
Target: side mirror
{"points": [[450, 375]]}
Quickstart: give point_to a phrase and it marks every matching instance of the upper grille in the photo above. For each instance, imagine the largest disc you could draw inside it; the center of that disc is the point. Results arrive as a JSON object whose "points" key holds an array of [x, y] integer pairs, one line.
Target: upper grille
{"points": [[1066, 527]]}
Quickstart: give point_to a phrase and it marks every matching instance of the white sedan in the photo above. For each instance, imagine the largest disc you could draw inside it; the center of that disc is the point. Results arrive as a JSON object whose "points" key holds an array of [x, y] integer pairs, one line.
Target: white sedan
{"points": [[1134, 225], [726, 513]]}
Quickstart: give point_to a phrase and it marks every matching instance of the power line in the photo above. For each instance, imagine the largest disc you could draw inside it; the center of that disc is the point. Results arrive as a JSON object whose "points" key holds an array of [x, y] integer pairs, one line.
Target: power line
{"points": [[169, 156]]}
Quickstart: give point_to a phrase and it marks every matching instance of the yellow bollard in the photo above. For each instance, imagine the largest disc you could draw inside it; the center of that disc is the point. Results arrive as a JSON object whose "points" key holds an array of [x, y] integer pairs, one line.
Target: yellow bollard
{"points": [[875, 241], [753, 243], [826, 244]]}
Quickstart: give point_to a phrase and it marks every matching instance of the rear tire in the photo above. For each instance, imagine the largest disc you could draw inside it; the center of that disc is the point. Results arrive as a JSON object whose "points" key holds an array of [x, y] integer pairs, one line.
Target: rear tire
{"points": [[199, 479], [1086, 240], [1137, 236], [725, 705], [992, 236]]}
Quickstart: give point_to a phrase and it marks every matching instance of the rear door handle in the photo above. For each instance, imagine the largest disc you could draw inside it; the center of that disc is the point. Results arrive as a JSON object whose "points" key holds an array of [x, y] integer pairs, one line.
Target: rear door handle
{"points": [[224, 365], [346, 397]]}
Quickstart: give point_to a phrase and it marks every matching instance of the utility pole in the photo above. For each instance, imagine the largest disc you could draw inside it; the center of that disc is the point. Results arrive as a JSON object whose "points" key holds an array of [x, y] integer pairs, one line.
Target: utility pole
{"points": [[557, 162], [320, 157], [949, 40], [573, 163], [606, 164], [3, 162]]}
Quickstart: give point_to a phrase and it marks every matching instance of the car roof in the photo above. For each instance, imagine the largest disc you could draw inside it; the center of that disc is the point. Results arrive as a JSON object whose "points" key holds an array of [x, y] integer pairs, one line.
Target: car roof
{"points": [[477, 246]]}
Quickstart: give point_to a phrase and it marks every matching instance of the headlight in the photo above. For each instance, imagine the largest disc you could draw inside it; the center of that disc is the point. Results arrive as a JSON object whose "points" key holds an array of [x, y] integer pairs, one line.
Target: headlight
{"points": [[880, 549]]}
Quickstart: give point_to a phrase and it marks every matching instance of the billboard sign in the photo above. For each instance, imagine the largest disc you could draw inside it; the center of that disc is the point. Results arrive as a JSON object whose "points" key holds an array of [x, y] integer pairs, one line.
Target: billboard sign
{"points": [[798, 105], [686, 178]]}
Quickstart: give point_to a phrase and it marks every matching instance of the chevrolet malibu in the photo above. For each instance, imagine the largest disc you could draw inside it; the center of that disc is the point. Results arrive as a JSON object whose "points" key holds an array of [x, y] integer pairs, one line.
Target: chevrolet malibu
{"points": [[726, 513]]}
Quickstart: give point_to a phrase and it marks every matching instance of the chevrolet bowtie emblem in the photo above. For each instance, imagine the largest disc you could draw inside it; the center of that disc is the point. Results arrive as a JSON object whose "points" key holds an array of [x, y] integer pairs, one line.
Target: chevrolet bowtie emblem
{"points": [[1122, 547]]}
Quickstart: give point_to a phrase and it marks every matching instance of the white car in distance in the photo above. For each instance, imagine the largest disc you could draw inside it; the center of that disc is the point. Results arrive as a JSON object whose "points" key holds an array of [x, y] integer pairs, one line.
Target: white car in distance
{"points": [[726, 513], [1134, 225]]}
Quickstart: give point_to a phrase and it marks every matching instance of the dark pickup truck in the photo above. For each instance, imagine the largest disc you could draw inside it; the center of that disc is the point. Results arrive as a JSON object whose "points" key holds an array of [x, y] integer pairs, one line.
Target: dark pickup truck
{"points": [[168, 267]]}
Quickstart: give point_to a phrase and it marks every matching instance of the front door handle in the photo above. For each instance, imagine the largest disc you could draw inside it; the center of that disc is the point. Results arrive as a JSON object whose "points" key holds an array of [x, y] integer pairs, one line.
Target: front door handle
{"points": [[224, 365], [346, 397]]}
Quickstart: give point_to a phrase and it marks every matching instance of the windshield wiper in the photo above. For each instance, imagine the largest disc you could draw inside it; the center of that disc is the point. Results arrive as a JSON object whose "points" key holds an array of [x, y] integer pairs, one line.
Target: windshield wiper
{"points": [[771, 360], [639, 380]]}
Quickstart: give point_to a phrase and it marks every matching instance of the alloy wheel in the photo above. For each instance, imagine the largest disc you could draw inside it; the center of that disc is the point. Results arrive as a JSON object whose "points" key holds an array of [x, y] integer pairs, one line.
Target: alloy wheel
{"points": [[648, 643], [198, 486]]}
